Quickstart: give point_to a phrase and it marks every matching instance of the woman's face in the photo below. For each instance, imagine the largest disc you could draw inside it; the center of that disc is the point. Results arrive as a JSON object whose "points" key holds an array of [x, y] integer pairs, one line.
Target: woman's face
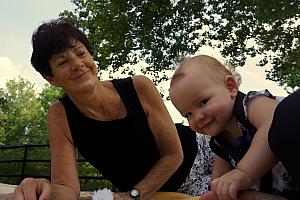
{"points": [[73, 69]]}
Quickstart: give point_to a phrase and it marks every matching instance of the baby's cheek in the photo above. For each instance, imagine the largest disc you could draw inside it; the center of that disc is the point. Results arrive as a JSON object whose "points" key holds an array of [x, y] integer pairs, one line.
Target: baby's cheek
{"points": [[193, 126], [225, 109]]}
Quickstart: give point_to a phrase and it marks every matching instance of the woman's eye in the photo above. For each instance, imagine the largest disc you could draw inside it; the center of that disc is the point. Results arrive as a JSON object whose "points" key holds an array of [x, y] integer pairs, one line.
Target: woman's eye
{"points": [[62, 63], [81, 54]]}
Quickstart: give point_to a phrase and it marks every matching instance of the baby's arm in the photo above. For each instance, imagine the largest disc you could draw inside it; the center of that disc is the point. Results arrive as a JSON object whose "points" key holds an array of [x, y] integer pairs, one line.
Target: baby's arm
{"points": [[258, 160], [220, 168]]}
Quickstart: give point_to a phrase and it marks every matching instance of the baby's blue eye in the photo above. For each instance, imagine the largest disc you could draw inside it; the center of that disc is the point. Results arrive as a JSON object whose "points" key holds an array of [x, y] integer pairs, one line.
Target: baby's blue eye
{"points": [[202, 103]]}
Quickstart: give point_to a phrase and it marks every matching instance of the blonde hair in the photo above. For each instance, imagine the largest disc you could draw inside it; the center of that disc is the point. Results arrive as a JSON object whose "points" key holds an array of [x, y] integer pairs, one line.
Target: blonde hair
{"points": [[205, 64]]}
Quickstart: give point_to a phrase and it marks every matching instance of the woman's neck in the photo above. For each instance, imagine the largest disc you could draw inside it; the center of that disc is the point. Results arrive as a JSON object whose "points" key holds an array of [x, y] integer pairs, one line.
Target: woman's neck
{"points": [[101, 102], [89, 97]]}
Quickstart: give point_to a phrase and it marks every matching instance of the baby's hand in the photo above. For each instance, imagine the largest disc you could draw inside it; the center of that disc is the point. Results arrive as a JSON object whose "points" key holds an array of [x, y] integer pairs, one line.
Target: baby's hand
{"points": [[227, 186]]}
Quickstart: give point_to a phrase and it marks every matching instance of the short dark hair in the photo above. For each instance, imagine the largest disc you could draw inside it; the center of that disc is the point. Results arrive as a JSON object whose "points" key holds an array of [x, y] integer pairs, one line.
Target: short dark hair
{"points": [[54, 37]]}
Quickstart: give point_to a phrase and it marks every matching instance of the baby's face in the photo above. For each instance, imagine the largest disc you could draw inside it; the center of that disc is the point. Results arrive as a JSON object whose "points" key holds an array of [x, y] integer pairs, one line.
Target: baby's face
{"points": [[207, 105]]}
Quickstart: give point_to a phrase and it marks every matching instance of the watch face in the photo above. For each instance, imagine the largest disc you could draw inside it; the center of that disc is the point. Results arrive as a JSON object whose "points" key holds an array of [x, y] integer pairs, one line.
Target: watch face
{"points": [[134, 193]]}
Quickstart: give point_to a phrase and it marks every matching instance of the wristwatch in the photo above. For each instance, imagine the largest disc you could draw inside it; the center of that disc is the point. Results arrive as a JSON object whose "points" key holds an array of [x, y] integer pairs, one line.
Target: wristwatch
{"points": [[134, 193]]}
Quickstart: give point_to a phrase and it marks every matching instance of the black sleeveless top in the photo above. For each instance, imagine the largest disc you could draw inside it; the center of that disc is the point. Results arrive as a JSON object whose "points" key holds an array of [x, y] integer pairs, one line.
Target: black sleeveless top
{"points": [[124, 150], [234, 153]]}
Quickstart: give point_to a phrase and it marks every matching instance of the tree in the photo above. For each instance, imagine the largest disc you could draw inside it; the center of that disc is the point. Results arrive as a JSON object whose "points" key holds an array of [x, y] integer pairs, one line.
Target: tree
{"points": [[2, 115], [162, 32], [22, 114], [125, 32], [23, 120], [267, 28]]}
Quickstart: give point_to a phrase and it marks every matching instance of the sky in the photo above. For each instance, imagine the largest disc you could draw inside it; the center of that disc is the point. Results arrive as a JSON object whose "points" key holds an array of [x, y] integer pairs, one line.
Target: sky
{"points": [[19, 18]]}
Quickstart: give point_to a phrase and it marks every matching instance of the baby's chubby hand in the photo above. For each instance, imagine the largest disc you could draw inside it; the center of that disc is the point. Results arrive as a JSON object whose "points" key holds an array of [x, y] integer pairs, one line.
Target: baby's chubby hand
{"points": [[227, 186]]}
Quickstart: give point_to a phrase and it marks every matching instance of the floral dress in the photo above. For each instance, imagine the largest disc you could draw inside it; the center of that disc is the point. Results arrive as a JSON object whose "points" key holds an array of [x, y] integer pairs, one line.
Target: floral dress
{"points": [[199, 180]]}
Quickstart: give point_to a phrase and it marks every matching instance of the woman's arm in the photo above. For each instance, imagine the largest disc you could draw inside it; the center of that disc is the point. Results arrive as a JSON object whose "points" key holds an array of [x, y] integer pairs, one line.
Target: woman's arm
{"points": [[64, 176], [64, 179], [165, 134]]}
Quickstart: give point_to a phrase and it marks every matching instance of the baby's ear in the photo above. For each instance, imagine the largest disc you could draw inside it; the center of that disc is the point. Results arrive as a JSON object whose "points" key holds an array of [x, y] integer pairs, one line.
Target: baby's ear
{"points": [[231, 84]]}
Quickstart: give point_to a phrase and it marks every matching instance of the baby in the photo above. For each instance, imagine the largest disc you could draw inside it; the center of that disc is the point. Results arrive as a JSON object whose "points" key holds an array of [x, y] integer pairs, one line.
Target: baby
{"points": [[207, 94]]}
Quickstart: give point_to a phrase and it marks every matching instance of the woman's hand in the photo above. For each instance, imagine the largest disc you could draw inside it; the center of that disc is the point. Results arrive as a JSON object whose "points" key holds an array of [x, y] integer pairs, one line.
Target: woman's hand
{"points": [[33, 189], [227, 186]]}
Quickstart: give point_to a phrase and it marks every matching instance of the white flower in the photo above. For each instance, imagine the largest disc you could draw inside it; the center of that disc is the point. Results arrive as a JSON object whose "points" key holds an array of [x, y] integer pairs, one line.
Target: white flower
{"points": [[104, 194]]}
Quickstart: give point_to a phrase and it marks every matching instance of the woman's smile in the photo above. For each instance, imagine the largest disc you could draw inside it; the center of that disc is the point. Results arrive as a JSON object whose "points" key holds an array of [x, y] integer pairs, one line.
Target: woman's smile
{"points": [[81, 75]]}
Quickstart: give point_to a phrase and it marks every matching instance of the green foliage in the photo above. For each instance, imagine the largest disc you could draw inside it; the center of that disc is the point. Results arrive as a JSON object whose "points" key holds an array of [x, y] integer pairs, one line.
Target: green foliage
{"points": [[2, 115], [125, 32], [21, 114], [162, 32], [49, 95], [266, 28], [37, 164], [30, 168]]}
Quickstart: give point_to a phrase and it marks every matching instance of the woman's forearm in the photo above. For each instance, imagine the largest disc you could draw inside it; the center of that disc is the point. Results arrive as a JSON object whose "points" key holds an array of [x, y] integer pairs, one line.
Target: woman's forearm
{"points": [[63, 192], [158, 175]]}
